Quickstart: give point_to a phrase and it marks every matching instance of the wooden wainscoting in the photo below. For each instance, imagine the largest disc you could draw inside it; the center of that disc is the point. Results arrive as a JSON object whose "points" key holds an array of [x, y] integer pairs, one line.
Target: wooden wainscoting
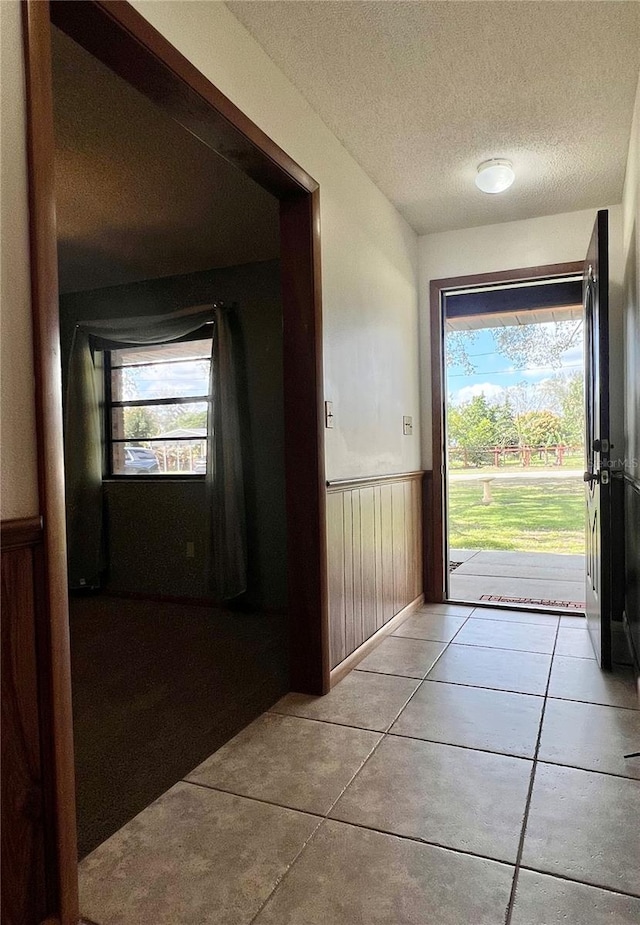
{"points": [[24, 849], [374, 536]]}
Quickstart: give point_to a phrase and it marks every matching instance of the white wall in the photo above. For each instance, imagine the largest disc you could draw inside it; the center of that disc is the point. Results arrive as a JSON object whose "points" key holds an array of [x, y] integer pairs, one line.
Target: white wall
{"points": [[19, 497], [511, 245], [369, 253], [369, 257]]}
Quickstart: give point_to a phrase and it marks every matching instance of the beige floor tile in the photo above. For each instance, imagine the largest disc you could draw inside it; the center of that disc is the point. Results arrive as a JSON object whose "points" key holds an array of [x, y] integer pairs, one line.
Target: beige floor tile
{"points": [[576, 643], [474, 717], [582, 679], [542, 900], [288, 760], [352, 876], [499, 634], [589, 736], [515, 616], [447, 610], [522, 672], [585, 826], [454, 797], [411, 658], [432, 626], [370, 701], [572, 621], [195, 855]]}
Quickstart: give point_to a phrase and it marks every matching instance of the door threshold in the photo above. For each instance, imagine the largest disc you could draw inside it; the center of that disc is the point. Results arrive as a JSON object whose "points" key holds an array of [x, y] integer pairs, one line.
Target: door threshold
{"points": [[526, 608]]}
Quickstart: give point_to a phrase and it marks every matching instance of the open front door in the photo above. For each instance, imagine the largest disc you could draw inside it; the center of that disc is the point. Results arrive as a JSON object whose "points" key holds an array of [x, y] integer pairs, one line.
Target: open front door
{"points": [[597, 477]]}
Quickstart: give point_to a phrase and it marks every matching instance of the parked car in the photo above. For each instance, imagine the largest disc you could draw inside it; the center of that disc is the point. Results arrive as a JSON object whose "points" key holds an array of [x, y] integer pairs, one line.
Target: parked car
{"points": [[138, 460]]}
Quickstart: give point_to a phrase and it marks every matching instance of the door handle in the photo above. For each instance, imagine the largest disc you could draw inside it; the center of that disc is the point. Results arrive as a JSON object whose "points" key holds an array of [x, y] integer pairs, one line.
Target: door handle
{"points": [[591, 477]]}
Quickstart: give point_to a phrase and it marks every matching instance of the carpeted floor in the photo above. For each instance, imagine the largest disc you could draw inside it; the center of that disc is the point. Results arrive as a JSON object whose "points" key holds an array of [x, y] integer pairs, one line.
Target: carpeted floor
{"points": [[158, 687]]}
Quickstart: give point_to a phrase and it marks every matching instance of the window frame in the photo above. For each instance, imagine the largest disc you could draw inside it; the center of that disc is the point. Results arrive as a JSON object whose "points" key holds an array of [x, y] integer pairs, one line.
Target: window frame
{"points": [[108, 474]]}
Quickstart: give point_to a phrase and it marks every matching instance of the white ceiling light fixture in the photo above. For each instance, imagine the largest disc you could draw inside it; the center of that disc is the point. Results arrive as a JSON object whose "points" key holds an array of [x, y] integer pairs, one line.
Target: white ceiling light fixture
{"points": [[495, 175]]}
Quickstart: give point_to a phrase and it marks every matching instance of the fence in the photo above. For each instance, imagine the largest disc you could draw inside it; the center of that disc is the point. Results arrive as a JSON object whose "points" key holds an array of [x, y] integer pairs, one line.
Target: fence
{"points": [[523, 456]]}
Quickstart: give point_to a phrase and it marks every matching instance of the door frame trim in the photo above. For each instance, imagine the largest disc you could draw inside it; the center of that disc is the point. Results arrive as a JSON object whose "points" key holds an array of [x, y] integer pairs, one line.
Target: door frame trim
{"points": [[435, 526], [124, 40]]}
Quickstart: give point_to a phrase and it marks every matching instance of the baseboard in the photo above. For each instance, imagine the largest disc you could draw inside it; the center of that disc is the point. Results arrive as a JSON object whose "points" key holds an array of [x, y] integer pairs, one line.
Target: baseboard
{"points": [[350, 662]]}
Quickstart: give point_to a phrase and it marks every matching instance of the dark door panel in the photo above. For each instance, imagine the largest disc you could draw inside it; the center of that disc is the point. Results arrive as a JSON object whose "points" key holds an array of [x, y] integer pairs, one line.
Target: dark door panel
{"points": [[597, 475]]}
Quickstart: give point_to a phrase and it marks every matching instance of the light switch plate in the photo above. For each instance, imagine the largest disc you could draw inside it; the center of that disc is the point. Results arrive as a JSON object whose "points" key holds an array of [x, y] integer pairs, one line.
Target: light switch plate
{"points": [[328, 414], [407, 425]]}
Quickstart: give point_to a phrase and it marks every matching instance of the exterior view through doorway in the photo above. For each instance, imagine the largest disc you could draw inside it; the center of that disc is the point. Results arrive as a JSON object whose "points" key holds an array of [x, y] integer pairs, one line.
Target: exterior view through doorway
{"points": [[514, 377]]}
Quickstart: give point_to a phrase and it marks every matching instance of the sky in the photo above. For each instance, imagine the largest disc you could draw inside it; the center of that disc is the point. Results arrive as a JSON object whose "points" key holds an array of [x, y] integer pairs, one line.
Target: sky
{"points": [[495, 373], [189, 377]]}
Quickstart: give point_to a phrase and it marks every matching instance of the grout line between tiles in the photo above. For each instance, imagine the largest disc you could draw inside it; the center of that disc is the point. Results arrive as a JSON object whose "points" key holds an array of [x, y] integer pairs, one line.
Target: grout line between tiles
{"points": [[577, 767], [484, 645], [326, 816], [357, 825], [411, 838], [410, 677], [594, 703], [482, 687], [286, 872], [333, 722], [527, 807], [246, 796], [424, 639], [417, 840], [474, 748], [569, 879], [471, 748]]}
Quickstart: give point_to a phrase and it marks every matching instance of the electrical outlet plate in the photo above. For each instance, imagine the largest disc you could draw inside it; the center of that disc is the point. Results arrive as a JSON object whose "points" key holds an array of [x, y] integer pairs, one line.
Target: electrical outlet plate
{"points": [[407, 425], [328, 414]]}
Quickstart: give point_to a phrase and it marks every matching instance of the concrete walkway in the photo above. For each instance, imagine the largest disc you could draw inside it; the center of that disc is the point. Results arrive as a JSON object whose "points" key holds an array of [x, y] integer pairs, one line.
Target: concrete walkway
{"points": [[479, 474], [530, 578]]}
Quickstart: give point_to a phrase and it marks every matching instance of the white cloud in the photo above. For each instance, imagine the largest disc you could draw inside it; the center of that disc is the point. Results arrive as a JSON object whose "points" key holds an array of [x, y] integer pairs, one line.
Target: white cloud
{"points": [[534, 372], [491, 391], [574, 354]]}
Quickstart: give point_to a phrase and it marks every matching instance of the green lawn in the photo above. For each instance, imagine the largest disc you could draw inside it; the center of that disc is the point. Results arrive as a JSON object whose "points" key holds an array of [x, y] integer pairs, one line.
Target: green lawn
{"points": [[512, 464], [526, 515]]}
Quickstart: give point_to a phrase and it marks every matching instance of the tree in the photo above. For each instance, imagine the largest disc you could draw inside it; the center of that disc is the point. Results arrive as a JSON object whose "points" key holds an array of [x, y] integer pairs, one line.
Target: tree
{"points": [[457, 344], [505, 430], [538, 344], [191, 419], [573, 411], [140, 423], [539, 428], [524, 344], [564, 395], [472, 428]]}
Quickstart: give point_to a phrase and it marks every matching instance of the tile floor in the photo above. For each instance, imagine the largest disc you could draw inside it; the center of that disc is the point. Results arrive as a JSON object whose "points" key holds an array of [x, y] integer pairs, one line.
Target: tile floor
{"points": [[471, 771]]}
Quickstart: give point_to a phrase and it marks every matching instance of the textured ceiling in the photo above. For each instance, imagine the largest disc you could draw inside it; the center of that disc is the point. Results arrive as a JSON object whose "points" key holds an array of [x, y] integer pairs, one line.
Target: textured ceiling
{"points": [[137, 196], [421, 92]]}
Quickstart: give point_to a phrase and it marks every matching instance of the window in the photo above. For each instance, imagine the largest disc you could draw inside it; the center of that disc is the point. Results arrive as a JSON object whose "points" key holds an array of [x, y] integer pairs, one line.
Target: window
{"points": [[157, 399]]}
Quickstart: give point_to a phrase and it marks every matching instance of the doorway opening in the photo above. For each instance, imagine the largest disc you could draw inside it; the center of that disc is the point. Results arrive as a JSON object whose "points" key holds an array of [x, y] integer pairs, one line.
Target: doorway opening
{"points": [[122, 40], [171, 325], [514, 385], [508, 438]]}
